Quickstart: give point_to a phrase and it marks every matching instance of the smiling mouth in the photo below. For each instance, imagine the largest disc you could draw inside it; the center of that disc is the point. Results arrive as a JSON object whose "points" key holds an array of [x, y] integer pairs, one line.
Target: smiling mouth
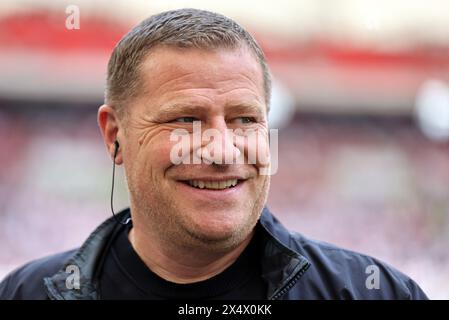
{"points": [[213, 185]]}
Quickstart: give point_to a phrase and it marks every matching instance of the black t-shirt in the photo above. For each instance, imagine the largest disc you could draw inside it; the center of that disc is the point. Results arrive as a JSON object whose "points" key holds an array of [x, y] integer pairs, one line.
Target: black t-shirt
{"points": [[125, 276]]}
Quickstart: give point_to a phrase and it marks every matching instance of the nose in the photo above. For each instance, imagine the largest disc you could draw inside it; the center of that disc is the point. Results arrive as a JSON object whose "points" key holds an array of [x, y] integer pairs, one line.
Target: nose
{"points": [[218, 144]]}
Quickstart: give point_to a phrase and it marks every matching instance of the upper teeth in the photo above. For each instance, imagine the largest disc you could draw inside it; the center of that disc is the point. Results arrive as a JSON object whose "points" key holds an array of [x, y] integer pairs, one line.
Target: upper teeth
{"points": [[213, 184]]}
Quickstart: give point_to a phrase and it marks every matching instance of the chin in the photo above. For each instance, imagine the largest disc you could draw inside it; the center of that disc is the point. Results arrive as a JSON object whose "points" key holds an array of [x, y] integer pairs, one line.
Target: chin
{"points": [[219, 228]]}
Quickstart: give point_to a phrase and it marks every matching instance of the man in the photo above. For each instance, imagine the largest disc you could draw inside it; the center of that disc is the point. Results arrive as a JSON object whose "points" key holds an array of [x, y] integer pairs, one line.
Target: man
{"points": [[197, 226]]}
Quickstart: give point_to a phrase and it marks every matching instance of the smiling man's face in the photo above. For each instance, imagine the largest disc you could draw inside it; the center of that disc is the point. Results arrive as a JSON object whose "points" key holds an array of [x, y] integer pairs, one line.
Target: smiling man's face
{"points": [[196, 203]]}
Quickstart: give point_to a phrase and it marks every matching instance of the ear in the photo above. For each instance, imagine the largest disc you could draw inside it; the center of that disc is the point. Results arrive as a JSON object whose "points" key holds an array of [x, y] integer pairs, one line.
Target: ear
{"points": [[109, 124]]}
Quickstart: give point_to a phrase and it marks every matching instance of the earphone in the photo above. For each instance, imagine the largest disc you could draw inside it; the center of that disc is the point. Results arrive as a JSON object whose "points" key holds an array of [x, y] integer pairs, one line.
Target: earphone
{"points": [[116, 147]]}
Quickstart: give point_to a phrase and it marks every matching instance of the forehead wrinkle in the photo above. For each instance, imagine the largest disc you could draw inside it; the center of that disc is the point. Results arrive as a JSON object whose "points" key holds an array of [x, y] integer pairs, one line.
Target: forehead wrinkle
{"points": [[171, 82], [240, 84], [210, 77], [177, 80]]}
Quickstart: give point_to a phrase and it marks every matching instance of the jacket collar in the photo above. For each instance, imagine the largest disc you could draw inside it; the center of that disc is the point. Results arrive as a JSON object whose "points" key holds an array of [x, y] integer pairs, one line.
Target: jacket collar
{"points": [[282, 266]]}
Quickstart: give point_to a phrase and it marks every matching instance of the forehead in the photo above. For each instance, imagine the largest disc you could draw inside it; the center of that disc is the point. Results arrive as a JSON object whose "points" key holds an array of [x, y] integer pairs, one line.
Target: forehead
{"points": [[168, 72]]}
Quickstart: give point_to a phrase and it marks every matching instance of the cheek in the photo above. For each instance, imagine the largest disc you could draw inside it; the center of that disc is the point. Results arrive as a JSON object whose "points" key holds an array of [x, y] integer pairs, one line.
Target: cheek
{"points": [[260, 191], [149, 160], [155, 148], [157, 154], [257, 149]]}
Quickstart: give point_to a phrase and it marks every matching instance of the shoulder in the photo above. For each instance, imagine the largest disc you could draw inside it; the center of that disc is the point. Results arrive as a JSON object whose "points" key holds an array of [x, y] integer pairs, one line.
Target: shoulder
{"points": [[347, 274], [27, 282]]}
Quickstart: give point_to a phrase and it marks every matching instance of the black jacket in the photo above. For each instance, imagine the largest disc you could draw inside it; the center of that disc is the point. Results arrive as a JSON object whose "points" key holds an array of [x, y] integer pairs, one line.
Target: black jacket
{"points": [[293, 266]]}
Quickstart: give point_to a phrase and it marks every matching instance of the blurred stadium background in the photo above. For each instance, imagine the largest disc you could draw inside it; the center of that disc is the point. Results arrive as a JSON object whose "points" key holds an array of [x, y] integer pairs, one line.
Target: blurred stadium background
{"points": [[361, 97]]}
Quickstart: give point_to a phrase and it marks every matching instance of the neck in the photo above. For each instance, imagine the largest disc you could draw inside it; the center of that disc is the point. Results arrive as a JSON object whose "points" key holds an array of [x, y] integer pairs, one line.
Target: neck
{"points": [[185, 264]]}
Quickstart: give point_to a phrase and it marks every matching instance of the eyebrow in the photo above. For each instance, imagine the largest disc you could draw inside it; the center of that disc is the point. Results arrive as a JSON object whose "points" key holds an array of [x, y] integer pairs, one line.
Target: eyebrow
{"points": [[179, 108], [247, 109], [186, 108]]}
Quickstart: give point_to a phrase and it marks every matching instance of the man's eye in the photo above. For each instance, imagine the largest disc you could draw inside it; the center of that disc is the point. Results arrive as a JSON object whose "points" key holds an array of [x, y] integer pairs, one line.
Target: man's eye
{"points": [[245, 120], [186, 119]]}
